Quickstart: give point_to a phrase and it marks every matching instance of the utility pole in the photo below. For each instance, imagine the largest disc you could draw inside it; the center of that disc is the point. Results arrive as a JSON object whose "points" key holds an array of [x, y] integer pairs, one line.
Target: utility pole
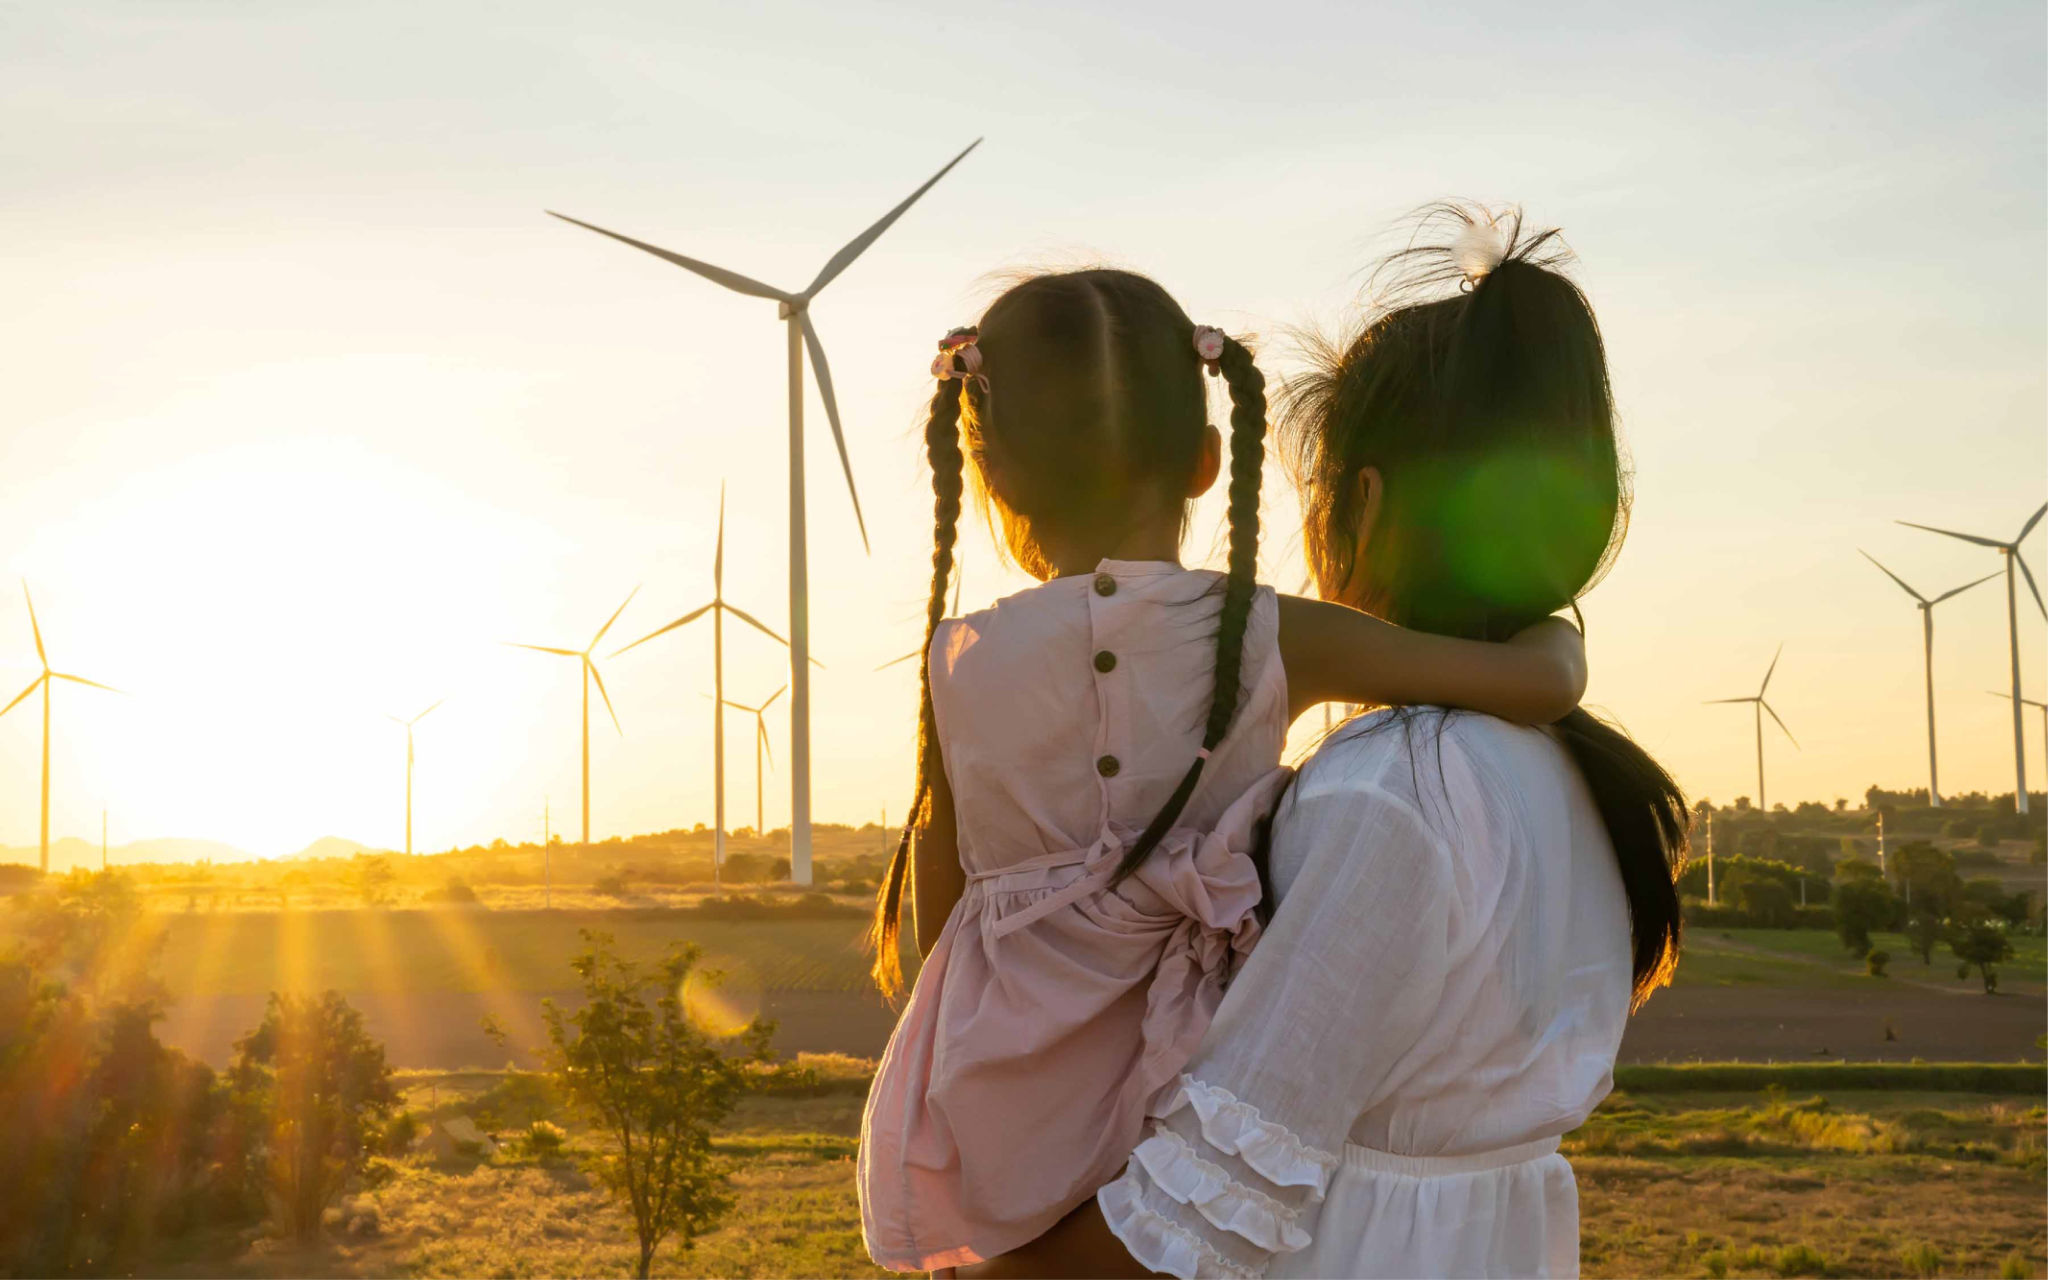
{"points": [[1710, 857]]}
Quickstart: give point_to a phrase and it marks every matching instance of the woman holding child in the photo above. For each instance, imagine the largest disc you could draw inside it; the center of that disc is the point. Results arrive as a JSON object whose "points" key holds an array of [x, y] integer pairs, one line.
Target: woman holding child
{"points": [[1464, 910]]}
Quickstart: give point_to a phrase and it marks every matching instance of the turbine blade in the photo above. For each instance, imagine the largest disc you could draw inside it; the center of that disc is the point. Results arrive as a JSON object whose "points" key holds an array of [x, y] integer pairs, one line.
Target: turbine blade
{"points": [[594, 674], [683, 621], [761, 730], [34, 626], [772, 697], [1965, 587], [859, 244], [956, 587], [755, 623], [824, 373], [2028, 527], [541, 648], [1781, 724], [1950, 533], [1894, 577], [32, 686], [614, 618], [424, 714], [1773, 669], [395, 720], [718, 558], [2028, 574], [59, 675], [1996, 694], [1710, 702], [732, 280], [912, 656]]}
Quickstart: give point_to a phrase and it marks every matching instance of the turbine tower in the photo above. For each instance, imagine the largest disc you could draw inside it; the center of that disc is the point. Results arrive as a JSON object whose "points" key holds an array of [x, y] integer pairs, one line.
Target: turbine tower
{"points": [[717, 608], [2011, 552], [45, 681], [2032, 703], [1926, 607], [590, 673], [760, 715], [794, 310], [1762, 708], [408, 768]]}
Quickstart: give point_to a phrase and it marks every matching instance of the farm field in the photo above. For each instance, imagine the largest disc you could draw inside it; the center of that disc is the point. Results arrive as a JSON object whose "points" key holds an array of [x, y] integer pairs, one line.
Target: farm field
{"points": [[427, 978], [1774, 1183]]}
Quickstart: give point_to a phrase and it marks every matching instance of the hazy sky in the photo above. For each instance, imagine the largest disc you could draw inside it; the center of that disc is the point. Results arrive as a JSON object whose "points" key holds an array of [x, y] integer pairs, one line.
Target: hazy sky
{"points": [[309, 406]]}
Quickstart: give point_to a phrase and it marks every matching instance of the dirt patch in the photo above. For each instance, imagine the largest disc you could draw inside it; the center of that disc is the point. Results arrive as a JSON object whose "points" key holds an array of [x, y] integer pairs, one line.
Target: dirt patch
{"points": [[1764, 1024]]}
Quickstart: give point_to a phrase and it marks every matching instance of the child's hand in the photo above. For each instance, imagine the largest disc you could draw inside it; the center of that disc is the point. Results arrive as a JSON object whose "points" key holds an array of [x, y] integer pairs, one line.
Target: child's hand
{"points": [[1563, 649]]}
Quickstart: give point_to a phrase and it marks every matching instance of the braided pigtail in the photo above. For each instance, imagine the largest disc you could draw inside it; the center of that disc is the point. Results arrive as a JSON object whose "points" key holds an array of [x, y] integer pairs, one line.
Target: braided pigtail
{"points": [[1247, 462], [942, 449]]}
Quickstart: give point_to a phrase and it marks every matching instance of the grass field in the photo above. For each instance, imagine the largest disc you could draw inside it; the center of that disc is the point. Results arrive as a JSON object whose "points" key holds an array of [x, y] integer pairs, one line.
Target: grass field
{"points": [[426, 978], [1679, 1182]]}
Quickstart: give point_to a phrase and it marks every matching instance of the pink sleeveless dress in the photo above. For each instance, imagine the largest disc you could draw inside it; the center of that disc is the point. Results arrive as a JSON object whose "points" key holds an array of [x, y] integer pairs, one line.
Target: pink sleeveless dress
{"points": [[1053, 1010]]}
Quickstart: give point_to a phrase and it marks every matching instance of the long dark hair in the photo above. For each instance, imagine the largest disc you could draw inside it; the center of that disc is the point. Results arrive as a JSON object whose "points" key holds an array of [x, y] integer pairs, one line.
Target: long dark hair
{"points": [[1478, 390], [1086, 413]]}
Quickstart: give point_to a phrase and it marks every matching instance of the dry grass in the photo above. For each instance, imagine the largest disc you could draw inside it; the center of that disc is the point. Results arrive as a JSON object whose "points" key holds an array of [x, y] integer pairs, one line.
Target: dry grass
{"points": [[1686, 1184]]}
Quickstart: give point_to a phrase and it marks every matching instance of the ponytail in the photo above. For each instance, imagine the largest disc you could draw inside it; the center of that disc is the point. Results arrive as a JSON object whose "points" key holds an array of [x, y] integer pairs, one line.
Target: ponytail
{"points": [[1646, 818], [1247, 461], [942, 450]]}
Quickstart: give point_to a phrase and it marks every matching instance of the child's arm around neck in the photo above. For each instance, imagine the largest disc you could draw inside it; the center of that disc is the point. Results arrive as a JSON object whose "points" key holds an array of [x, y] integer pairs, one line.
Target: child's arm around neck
{"points": [[1334, 653]]}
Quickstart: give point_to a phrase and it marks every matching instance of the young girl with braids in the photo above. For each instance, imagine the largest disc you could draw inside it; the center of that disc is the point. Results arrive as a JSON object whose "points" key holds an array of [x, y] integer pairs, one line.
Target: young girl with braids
{"points": [[1095, 756]]}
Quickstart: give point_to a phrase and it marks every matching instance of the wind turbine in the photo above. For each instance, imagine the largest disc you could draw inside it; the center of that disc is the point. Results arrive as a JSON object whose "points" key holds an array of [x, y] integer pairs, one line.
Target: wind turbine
{"points": [[794, 310], [1926, 607], [2032, 703], [760, 715], [915, 654], [1762, 708], [408, 768], [590, 673], [717, 608], [45, 681], [2011, 552]]}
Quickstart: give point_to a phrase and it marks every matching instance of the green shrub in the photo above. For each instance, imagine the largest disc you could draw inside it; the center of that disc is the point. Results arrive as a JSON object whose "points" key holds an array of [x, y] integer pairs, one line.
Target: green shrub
{"points": [[2015, 1267], [1800, 1260], [1876, 961], [1920, 1259], [543, 1140]]}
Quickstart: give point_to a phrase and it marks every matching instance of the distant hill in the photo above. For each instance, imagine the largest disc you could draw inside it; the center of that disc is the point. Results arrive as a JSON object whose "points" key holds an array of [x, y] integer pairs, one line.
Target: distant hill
{"points": [[70, 852], [336, 847]]}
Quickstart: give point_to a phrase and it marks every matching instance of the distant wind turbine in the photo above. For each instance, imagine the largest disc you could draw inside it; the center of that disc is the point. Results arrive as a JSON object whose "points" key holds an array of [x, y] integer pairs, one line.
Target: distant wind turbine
{"points": [[590, 674], [1926, 607], [760, 715], [1762, 708], [717, 608], [2032, 703], [2011, 552], [794, 309], [45, 681], [408, 768]]}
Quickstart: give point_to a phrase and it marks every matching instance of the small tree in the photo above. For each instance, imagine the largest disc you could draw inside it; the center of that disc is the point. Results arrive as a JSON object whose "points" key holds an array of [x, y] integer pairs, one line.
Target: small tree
{"points": [[370, 878], [312, 1090], [1861, 905], [1876, 961], [1980, 946], [654, 1085], [1923, 934]]}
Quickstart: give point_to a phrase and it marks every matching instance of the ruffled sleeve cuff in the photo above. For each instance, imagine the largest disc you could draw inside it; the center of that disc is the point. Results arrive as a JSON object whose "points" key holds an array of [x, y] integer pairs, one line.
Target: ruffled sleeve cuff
{"points": [[1156, 1240], [1236, 1128]]}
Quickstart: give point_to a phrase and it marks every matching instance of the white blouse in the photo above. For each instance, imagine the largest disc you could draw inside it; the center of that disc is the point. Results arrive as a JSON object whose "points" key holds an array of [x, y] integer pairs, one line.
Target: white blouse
{"points": [[1439, 998]]}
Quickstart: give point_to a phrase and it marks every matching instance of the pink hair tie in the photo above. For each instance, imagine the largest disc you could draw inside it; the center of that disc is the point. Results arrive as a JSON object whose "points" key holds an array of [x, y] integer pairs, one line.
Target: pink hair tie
{"points": [[960, 346], [1203, 754], [1209, 344]]}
